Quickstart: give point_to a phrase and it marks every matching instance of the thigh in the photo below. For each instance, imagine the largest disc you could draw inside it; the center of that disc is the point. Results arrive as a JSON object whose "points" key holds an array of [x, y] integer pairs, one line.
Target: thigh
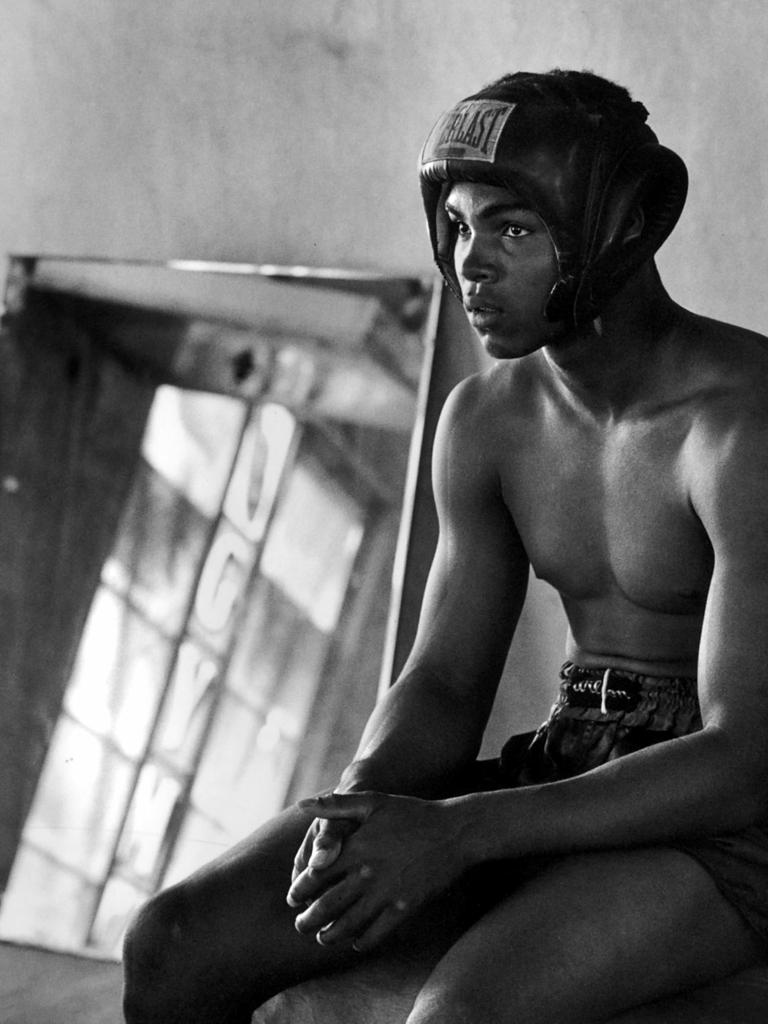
{"points": [[227, 934], [235, 907], [590, 937], [217, 944]]}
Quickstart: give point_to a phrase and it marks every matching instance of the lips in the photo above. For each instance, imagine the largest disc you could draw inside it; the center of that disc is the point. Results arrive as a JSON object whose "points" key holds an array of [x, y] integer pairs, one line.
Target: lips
{"points": [[481, 313], [481, 304]]}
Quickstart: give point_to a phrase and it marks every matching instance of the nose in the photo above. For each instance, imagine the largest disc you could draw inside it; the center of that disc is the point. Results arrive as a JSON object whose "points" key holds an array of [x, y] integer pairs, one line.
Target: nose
{"points": [[473, 259]]}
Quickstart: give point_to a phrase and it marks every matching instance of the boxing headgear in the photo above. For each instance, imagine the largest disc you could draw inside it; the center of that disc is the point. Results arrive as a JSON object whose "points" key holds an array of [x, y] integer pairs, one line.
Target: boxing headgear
{"points": [[584, 173]]}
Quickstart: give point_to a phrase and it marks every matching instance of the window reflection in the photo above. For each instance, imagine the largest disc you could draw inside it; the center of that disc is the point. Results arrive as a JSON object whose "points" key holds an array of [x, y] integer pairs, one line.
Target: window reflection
{"points": [[156, 558], [258, 470], [246, 562], [119, 674], [187, 706], [310, 557], [190, 440]]}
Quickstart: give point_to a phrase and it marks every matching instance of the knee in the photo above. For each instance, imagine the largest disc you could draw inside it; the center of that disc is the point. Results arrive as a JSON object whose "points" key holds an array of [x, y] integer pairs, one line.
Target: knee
{"points": [[437, 1004], [153, 958], [463, 995]]}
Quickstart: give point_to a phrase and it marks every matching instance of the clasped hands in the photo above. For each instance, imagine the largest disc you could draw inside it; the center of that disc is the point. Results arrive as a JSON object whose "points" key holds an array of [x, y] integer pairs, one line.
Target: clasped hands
{"points": [[368, 860]]}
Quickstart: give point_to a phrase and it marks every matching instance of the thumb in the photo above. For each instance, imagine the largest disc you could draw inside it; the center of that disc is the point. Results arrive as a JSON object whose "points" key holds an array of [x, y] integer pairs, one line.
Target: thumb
{"points": [[356, 807], [326, 845], [329, 840]]}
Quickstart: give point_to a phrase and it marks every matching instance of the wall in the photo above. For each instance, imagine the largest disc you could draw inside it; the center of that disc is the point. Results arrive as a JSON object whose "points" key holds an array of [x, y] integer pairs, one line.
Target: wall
{"points": [[288, 130]]}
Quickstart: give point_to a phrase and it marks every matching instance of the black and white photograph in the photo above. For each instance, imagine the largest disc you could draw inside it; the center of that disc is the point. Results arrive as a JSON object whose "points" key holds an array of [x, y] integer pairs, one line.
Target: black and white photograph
{"points": [[383, 512]]}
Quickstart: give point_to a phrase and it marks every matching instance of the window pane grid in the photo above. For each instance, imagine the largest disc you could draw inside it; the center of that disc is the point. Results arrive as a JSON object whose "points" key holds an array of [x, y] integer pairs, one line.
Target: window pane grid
{"points": [[215, 607], [198, 670]]}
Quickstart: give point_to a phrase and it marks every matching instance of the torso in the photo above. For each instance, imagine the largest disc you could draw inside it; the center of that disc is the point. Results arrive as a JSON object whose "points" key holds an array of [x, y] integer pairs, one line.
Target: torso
{"points": [[604, 508]]}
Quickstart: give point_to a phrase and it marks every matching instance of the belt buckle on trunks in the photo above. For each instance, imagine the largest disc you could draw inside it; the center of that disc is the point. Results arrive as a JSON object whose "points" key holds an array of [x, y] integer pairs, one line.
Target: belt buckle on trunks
{"points": [[613, 691]]}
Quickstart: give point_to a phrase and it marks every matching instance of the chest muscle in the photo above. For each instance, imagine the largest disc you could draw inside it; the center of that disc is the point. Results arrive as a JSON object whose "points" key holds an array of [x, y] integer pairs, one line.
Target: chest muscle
{"points": [[601, 518]]}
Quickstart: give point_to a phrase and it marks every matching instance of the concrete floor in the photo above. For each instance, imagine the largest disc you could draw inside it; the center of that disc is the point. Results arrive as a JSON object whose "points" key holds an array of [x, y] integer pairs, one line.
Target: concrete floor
{"points": [[40, 987]]}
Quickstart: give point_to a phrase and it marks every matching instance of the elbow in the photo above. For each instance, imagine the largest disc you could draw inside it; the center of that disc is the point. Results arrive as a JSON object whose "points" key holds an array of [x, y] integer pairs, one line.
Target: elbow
{"points": [[745, 801], [751, 803], [743, 797], [747, 806]]}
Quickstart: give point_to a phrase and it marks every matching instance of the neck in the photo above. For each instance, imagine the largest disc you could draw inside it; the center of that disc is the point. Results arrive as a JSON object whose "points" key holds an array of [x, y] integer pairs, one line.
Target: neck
{"points": [[613, 363]]}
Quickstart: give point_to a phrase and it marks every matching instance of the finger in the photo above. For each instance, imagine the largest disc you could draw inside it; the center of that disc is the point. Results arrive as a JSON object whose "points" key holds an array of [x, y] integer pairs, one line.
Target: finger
{"points": [[304, 851], [310, 884], [321, 845], [366, 922], [303, 854], [309, 875], [381, 927], [333, 903], [323, 856], [306, 887], [355, 806], [328, 842]]}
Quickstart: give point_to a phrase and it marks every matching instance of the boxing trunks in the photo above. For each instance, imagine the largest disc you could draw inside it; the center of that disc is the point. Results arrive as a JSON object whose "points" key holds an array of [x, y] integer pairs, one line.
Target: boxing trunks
{"points": [[602, 715]]}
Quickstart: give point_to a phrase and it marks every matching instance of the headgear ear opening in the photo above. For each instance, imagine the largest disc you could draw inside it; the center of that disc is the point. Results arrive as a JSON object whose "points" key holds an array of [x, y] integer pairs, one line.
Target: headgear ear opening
{"points": [[651, 179]]}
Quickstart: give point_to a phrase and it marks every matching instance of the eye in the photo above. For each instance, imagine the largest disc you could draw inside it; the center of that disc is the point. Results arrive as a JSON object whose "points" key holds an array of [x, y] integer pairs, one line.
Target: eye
{"points": [[516, 231], [460, 227]]}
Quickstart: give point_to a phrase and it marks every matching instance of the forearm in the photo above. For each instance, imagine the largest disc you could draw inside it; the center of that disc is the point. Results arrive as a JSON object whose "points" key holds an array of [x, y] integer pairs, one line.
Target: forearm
{"points": [[693, 786], [418, 739]]}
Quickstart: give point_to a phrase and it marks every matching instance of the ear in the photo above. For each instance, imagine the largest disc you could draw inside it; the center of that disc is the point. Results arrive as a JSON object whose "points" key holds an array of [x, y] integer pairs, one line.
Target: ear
{"points": [[635, 227], [641, 204], [642, 201]]}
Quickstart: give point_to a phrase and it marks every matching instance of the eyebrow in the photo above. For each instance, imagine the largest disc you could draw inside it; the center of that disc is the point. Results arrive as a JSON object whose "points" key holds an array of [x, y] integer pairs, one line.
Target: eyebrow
{"points": [[491, 209]]}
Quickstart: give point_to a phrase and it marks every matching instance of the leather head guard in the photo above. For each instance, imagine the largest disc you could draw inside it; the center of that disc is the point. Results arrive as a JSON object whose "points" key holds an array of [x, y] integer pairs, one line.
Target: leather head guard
{"points": [[584, 173]]}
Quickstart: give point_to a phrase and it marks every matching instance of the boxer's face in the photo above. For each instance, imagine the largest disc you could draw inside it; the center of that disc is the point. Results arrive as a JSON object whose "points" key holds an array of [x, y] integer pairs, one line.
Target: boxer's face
{"points": [[506, 266]]}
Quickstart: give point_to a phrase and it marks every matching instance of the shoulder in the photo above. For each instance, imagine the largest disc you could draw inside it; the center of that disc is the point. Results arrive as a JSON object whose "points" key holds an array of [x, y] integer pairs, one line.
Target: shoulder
{"points": [[728, 440], [477, 428], [727, 375], [486, 403]]}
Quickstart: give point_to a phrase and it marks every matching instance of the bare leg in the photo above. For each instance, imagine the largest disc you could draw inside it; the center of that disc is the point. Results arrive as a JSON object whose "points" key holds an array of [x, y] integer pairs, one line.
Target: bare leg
{"points": [[591, 937], [584, 941], [209, 950], [213, 948]]}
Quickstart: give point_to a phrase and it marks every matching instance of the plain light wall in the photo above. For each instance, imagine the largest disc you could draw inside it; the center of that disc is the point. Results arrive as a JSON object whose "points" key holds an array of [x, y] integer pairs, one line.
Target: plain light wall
{"points": [[287, 131]]}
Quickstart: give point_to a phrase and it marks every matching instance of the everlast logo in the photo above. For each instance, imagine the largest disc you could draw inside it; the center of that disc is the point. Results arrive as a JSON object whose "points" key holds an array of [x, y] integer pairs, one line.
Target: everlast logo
{"points": [[468, 132]]}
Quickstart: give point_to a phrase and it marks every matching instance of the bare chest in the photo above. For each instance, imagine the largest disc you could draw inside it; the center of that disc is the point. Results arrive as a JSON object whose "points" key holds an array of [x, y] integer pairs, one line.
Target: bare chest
{"points": [[609, 514]]}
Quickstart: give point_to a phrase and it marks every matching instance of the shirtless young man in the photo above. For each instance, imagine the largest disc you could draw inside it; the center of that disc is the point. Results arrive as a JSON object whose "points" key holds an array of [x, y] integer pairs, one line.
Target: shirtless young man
{"points": [[619, 446]]}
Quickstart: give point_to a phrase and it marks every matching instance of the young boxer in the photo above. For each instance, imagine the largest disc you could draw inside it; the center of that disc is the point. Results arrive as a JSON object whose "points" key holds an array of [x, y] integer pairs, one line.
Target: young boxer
{"points": [[618, 447]]}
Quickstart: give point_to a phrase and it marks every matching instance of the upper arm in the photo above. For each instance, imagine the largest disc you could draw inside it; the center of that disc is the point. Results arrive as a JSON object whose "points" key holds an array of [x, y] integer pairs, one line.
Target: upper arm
{"points": [[731, 500], [479, 574]]}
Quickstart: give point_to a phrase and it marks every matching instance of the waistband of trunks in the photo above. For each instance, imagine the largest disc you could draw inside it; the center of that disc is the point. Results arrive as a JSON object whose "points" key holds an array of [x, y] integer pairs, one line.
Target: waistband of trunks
{"points": [[612, 689]]}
